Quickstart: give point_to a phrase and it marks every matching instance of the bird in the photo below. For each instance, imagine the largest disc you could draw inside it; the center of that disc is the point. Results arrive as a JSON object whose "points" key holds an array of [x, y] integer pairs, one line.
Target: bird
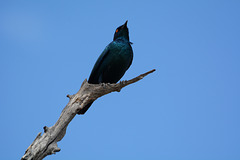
{"points": [[114, 61]]}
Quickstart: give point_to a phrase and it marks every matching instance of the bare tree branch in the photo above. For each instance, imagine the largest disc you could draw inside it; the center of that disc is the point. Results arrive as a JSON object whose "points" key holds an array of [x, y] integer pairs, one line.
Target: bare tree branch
{"points": [[46, 144]]}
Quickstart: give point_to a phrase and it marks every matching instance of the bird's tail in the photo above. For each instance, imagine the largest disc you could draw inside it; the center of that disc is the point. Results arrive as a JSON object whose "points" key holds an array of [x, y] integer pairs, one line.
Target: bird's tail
{"points": [[82, 111]]}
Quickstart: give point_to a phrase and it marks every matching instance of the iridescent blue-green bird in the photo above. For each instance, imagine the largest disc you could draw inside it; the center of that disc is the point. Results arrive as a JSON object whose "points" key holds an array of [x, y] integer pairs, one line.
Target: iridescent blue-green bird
{"points": [[113, 62]]}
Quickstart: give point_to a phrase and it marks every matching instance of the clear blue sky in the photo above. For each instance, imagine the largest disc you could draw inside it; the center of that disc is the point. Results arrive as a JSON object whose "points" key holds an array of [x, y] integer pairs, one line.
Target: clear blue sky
{"points": [[189, 109]]}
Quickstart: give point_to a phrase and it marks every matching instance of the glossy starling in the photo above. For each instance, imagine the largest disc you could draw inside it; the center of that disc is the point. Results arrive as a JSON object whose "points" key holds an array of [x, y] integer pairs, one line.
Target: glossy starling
{"points": [[114, 60]]}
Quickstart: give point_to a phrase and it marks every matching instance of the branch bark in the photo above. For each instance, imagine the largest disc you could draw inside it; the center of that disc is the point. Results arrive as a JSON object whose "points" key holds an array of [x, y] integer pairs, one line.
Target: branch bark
{"points": [[46, 144]]}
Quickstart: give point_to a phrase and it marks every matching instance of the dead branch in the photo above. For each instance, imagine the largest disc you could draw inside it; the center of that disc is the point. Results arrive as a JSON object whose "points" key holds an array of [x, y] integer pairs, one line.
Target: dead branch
{"points": [[46, 144]]}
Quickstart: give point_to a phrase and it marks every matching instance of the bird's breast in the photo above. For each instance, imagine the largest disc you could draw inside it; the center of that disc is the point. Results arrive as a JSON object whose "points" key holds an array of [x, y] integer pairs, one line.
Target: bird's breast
{"points": [[117, 61], [121, 52]]}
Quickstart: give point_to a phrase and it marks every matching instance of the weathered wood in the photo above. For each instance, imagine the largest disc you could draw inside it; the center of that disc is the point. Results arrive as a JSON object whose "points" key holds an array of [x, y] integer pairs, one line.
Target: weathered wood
{"points": [[46, 144]]}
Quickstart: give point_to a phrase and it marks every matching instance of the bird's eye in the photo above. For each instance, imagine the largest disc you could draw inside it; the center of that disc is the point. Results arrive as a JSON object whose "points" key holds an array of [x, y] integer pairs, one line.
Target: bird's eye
{"points": [[116, 30]]}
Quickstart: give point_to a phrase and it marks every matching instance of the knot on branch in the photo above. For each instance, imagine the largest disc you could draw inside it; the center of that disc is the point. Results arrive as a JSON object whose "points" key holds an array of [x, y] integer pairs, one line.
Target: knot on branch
{"points": [[45, 128], [53, 148], [70, 96]]}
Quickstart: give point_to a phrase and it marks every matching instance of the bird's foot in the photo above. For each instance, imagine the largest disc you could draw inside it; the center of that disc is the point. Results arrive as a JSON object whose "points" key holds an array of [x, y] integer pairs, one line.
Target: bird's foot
{"points": [[105, 85]]}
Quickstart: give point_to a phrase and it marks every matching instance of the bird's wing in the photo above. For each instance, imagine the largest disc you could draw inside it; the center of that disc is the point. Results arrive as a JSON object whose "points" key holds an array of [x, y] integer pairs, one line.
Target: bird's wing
{"points": [[94, 76]]}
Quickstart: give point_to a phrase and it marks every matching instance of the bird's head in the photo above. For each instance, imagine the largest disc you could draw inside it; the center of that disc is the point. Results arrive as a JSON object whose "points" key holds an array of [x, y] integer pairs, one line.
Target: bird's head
{"points": [[122, 31]]}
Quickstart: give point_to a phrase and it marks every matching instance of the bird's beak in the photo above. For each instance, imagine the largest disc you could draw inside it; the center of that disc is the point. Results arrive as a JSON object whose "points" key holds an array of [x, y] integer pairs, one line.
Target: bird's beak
{"points": [[125, 24]]}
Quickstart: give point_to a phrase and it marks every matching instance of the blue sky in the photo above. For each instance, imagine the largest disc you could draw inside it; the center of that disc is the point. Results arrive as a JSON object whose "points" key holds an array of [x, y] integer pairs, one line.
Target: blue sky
{"points": [[187, 110]]}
